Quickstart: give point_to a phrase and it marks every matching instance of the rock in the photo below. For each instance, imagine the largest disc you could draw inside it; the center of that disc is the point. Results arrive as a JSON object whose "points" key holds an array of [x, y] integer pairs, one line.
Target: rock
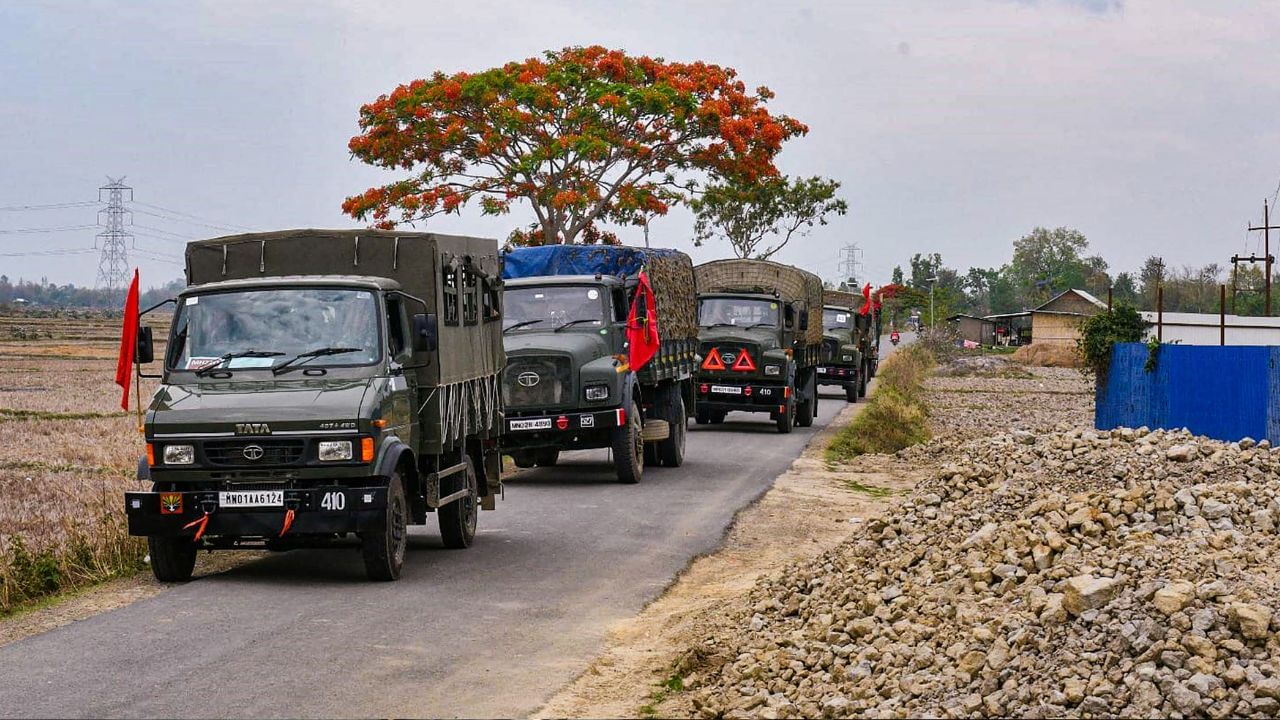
{"points": [[835, 707], [1184, 699], [1073, 690], [1252, 620], [981, 537], [1055, 610], [1214, 509], [972, 662], [1182, 453], [1174, 597], [1088, 592]]}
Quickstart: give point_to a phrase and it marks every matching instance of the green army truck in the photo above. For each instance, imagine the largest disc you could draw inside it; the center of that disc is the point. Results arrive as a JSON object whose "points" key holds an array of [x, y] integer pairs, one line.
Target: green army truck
{"points": [[760, 335], [576, 319], [320, 386], [848, 352]]}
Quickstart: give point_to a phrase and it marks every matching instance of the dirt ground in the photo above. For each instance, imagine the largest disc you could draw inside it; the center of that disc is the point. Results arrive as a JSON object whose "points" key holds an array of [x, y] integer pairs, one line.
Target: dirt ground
{"points": [[809, 510]]}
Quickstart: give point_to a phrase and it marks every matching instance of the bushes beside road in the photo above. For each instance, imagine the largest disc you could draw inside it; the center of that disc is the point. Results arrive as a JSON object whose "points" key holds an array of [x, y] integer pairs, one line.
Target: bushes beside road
{"points": [[895, 416]]}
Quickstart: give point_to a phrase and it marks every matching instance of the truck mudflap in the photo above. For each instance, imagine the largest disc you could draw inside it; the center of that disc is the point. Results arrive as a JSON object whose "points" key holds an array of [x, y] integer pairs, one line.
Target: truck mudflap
{"points": [[256, 513], [837, 374], [747, 397]]}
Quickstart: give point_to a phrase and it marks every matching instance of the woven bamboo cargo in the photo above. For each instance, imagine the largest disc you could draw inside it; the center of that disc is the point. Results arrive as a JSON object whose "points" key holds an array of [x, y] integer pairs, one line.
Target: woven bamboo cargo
{"points": [[840, 298], [675, 292], [790, 283]]}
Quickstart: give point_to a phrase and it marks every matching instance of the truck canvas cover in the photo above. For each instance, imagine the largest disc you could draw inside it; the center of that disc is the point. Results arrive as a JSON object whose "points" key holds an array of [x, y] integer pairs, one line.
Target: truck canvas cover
{"points": [[764, 276], [669, 271], [457, 277]]}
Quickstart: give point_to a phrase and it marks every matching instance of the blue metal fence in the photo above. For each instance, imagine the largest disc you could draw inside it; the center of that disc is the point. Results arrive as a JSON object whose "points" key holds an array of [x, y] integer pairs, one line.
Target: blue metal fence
{"points": [[1226, 393]]}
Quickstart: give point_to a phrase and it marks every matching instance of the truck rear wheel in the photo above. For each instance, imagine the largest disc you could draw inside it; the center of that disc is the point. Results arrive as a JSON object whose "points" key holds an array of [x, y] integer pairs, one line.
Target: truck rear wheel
{"points": [[786, 419], [851, 392], [628, 447], [862, 379], [458, 518], [384, 551], [806, 410], [671, 450], [546, 457], [523, 459], [173, 559]]}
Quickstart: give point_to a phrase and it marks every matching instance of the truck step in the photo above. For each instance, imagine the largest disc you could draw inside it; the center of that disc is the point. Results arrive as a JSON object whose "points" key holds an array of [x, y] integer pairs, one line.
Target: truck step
{"points": [[655, 430]]}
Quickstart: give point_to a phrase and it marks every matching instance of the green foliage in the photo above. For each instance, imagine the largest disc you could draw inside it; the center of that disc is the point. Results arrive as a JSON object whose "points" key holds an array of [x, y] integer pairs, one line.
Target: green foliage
{"points": [[1100, 333], [1153, 355], [746, 214], [895, 416]]}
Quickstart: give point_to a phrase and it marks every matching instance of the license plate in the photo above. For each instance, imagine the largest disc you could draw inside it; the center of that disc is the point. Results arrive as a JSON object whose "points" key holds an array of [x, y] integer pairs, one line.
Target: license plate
{"points": [[251, 498], [822, 369], [726, 389], [534, 424]]}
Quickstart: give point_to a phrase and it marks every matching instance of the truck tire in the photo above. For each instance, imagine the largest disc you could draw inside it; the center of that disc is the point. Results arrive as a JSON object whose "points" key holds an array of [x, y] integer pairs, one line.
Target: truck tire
{"points": [[458, 518], [384, 551], [172, 558], [787, 419], [851, 392], [546, 457], [628, 447], [671, 451], [523, 459], [702, 416], [862, 380], [806, 410]]}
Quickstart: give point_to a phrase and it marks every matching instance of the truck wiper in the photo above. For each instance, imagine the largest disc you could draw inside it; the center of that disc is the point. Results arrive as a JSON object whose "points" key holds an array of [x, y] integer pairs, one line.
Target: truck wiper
{"points": [[766, 324], [521, 324], [232, 356], [720, 325], [292, 363], [577, 322]]}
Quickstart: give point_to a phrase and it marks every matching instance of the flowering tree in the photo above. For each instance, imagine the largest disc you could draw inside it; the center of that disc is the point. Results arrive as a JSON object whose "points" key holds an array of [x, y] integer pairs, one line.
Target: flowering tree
{"points": [[583, 134], [748, 213]]}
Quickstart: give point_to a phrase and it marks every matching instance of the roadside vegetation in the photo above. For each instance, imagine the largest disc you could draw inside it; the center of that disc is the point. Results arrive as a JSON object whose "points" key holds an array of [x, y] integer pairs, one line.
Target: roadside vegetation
{"points": [[895, 416]]}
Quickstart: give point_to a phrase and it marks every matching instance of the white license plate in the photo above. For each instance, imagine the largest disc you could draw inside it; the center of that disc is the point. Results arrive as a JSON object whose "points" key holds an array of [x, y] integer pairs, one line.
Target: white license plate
{"points": [[822, 369], [534, 424], [726, 389], [251, 498]]}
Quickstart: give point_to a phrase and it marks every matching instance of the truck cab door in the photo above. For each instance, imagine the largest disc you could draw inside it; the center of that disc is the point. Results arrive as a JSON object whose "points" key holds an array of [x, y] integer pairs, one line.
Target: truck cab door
{"points": [[398, 413]]}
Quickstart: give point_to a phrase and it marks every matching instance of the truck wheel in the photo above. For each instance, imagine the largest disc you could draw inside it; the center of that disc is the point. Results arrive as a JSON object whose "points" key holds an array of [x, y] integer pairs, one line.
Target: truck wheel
{"points": [[702, 416], [523, 460], [172, 558], [384, 551], [851, 392], [458, 518], [807, 409], [546, 457], [786, 420], [628, 447], [671, 450], [862, 381]]}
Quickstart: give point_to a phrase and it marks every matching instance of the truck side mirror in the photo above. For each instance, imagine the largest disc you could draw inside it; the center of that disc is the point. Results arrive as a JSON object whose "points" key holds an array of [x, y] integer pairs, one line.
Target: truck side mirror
{"points": [[426, 332], [789, 315], [804, 319], [144, 348]]}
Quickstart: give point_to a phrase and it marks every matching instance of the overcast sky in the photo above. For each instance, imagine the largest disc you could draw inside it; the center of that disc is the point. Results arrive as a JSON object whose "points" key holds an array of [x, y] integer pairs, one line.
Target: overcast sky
{"points": [[955, 126]]}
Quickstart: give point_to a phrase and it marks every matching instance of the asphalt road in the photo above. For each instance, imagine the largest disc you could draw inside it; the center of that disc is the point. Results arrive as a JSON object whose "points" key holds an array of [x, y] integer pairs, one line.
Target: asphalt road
{"points": [[490, 631]]}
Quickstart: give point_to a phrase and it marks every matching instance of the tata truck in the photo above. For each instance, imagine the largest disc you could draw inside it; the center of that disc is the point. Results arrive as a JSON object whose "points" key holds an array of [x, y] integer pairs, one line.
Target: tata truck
{"points": [[601, 346], [323, 388], [760, 335], [848, 351]]}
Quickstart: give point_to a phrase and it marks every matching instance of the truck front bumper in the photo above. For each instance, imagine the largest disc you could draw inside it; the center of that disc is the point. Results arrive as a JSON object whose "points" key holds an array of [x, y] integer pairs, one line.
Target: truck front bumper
{"points": [[567, 431], [726, 396], [837, 375], [316, 511]]}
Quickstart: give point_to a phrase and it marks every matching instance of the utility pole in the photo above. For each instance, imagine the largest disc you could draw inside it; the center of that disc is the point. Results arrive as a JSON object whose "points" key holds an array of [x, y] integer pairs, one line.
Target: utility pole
{"points": [[113, 267], [1266, 251], [933, 322]]}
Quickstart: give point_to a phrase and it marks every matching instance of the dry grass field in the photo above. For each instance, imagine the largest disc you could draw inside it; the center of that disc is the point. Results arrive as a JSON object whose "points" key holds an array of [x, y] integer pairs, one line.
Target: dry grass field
{"points": [[67, 453]]}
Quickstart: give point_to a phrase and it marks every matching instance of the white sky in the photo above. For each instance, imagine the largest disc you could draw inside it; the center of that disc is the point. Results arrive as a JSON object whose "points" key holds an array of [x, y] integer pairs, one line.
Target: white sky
{"points": [[955, 125]]}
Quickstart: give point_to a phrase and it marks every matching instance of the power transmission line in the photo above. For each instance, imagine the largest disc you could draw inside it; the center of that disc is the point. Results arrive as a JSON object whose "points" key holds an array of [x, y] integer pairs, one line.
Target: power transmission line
{"points": [[205, 221], [50, 206], [34, 253], [68, 228], [113, 267]]}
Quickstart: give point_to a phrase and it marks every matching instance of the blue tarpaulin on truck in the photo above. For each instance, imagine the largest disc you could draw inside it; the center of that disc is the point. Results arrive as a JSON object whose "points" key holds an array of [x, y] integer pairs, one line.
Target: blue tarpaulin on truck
{"points": [[613, 260]]}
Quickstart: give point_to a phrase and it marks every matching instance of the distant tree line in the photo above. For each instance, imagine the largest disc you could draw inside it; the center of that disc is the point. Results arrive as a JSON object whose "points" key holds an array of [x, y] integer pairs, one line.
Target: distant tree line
{"points": [[1046, 262], [46, 295]]}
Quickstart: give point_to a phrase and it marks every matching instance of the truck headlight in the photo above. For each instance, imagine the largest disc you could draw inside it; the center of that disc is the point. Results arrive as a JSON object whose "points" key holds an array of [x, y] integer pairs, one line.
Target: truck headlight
{"points": [[597, 392], [846, 358], [772, 369], [179, 454], [335, 450]]}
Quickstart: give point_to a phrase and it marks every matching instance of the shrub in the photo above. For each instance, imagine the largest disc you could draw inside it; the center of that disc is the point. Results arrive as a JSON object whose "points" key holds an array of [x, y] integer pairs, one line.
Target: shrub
{"points": [[895, 416], [1100, 333]]}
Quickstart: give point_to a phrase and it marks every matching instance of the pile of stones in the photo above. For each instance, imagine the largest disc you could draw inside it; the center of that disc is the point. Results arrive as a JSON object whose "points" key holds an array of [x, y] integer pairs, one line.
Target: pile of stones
{"points": [[1057, 573]]}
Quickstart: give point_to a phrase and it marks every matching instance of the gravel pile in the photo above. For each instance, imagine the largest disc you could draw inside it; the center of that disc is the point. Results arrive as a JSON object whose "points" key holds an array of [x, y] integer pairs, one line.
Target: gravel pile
{"points": [[1050, 573]]}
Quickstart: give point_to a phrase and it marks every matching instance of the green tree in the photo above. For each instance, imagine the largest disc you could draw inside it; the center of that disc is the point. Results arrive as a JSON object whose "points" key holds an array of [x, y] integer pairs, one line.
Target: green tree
{"points": [[1125, 289], [1047, 262], [747, 215], [897, 275]]}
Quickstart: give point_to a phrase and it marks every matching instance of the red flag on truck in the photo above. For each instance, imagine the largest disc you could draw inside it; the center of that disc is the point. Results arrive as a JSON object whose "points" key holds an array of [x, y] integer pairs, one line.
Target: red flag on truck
{"points": [[128, 341], [866, 306], [642, 332]]}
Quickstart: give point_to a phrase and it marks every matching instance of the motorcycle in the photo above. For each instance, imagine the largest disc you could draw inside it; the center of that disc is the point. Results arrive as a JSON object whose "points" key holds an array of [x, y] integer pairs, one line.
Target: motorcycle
{"points": [[894, 338]]}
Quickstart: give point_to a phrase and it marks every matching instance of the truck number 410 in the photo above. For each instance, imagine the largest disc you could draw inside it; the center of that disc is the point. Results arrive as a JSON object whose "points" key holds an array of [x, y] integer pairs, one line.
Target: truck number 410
{"points": [[334, 501]]}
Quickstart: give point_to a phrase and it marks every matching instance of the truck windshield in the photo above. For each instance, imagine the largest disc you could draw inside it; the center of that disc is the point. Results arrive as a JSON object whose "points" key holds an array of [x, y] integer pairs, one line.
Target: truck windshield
{"points": [[567, 308], [842, 319], [279, 323], [720, 311]]}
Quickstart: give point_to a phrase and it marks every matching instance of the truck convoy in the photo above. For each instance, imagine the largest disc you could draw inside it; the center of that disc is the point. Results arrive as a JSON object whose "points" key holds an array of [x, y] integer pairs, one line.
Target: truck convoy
{"points": [[850, 342], [760, 334], [323, 384], [601, 348]]}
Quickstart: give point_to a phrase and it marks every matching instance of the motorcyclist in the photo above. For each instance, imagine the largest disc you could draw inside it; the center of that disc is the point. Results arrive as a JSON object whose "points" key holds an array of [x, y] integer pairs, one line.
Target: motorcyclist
{"points": [[894, 337]]}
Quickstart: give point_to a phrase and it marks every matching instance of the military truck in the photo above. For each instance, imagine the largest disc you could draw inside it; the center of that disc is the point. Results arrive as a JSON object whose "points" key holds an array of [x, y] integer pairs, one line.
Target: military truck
{"points": [[847, 349], [576, 318], [320, 386], [760, 335]]}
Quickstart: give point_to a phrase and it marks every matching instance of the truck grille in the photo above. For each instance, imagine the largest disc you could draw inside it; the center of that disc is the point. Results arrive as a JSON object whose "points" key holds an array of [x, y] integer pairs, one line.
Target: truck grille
{"points": [[830, 350], [537, 382], [231, 453]]}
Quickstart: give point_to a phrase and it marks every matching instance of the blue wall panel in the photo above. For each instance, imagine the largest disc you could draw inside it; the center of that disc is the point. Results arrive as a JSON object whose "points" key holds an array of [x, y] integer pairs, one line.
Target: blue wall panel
{"points": [[1225, 393]]}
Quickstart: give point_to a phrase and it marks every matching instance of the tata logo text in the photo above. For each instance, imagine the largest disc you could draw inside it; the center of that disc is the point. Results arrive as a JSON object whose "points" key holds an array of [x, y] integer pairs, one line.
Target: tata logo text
{"points": [[253, 429], [253, 452], [528, 379]]}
